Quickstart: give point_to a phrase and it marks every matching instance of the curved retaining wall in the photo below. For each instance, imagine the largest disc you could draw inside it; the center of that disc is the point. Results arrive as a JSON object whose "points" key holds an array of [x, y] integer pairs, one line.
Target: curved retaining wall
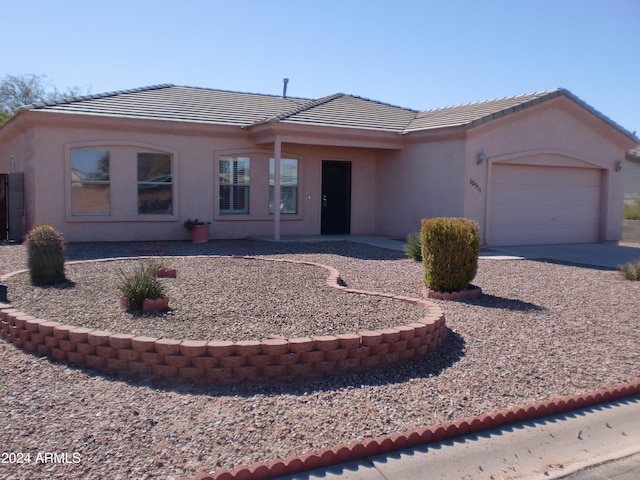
{"points": [[226, 361]]}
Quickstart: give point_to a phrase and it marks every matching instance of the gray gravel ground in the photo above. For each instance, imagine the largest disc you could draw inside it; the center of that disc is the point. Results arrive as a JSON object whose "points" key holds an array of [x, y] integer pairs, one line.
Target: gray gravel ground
{"points": [[541, 330]]}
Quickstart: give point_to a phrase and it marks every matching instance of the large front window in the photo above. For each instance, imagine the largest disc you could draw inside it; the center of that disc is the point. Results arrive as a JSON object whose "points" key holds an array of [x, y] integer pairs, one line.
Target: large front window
{"points": [[234, 185], [155, 188], [90, 185], [288, 185]]}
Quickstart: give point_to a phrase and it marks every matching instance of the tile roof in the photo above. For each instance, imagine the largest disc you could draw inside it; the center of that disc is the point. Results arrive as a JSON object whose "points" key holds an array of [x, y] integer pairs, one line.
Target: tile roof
{"points": [[202, 105], [351, 111], [472, 114], [170, 102]]}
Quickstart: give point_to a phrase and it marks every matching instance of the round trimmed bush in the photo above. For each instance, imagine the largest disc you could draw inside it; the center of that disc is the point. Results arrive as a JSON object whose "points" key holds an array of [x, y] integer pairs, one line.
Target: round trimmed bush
{"points": [[450, 250]]}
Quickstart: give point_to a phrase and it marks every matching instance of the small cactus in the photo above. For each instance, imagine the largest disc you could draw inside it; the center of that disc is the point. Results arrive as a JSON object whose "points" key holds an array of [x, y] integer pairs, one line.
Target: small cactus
{"points": [[45, 255]]}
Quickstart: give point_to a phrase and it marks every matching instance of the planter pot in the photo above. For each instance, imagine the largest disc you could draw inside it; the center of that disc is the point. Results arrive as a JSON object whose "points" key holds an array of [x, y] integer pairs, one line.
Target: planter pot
{"points": [[200, 233], [155, 304], [148, 304]]}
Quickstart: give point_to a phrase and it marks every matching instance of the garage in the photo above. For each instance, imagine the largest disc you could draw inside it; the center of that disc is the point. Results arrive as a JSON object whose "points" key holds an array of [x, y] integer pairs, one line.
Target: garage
{"points": [[535, 205]]}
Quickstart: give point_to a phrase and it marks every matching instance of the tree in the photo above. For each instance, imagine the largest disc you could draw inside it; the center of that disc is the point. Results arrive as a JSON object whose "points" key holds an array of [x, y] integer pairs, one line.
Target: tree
{"points": [[19, 90]]}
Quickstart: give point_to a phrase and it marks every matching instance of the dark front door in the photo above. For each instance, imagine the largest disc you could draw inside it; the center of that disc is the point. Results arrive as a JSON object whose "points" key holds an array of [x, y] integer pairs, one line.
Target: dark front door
{"points": [[336, 198]]}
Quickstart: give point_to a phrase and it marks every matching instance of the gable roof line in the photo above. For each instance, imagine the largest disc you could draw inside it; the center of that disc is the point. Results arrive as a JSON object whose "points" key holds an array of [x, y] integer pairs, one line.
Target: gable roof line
{"points": [[544, 96], [538, 98], [602, 116]]}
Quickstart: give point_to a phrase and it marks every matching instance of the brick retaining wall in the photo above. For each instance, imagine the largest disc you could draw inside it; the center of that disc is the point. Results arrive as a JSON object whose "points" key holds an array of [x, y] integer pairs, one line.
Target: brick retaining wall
{"points": [[226, 361]]}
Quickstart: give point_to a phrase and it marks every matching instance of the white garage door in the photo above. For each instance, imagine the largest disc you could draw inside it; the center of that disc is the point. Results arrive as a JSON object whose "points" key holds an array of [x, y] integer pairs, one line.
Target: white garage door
{"points": [[537, 205]]}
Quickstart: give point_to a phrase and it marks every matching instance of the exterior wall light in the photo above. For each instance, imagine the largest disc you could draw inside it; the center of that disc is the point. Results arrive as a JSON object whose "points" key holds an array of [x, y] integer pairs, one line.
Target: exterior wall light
{"points": [[618, 165], [481, 157]]}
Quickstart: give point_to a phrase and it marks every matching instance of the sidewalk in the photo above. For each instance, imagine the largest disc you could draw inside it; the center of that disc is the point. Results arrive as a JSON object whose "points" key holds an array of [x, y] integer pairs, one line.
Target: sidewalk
{"points": [[559, 446]]}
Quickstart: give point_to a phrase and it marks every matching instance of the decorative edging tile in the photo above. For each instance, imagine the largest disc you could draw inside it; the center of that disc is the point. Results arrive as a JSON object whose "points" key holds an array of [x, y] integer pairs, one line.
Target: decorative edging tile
{"points": [[472, 292], [388, 443], [274, 358]]}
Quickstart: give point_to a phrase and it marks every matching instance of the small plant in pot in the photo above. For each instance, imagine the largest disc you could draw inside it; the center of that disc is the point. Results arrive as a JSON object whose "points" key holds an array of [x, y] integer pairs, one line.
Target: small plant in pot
{"points": [[141, 290], [199, 230]]}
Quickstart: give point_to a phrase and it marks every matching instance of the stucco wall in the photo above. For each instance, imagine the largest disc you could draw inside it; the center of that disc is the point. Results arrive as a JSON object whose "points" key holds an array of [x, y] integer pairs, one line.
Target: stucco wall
{"points": [[195, 153], [557, 132], [421, 181]]}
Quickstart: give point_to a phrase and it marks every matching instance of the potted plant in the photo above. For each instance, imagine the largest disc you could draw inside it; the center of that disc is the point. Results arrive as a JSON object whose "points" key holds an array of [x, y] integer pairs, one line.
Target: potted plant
{"points": [[141, 290], [199, 230]]}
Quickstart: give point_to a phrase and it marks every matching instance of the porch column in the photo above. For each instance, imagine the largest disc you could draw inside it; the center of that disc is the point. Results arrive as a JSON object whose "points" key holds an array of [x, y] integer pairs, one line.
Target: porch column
{"points": [[277, 154]]}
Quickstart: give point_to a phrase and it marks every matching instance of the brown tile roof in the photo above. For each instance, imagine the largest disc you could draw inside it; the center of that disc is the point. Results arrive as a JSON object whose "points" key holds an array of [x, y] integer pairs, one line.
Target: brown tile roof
{"points": [[202, 105], [472, 114], [170, 102], [351, 111]]}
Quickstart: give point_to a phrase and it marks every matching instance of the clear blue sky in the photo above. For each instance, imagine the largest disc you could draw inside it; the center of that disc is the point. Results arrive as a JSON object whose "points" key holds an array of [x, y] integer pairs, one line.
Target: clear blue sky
{"points": [[417, 54]]}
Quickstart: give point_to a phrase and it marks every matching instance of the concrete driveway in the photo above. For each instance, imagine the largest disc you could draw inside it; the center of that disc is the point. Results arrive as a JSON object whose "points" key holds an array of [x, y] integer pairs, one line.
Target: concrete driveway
{"points": [[600, 255]]}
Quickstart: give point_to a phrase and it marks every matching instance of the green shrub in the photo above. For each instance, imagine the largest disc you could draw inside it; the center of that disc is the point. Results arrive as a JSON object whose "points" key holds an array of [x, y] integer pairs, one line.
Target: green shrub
{"points": [[631, 210], [139, 284], [631, 270], [450, 249], [45, 255], [413, 247]]}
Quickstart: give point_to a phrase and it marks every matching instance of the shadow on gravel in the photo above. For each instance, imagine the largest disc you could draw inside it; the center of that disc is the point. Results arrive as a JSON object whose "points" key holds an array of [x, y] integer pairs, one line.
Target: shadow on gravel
{"points": [[431, 365], [492, 301], [89, 251]]}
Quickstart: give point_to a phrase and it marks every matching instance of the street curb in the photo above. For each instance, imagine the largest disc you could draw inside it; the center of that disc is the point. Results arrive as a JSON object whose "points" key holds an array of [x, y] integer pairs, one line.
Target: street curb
{"points": [[357, 450]]}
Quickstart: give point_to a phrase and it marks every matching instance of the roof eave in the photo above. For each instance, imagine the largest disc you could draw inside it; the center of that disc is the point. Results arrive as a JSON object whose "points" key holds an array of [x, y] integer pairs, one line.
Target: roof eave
{"points": [[337, 136]]}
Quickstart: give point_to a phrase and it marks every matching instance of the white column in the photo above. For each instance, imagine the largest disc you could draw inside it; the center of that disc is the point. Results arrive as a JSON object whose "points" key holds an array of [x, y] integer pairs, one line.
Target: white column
{"points": [[277, 154]]}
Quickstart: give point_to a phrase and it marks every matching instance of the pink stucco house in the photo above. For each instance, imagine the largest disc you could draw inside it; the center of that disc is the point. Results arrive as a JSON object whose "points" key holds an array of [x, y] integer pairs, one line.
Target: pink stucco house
{"points": [[133, 165]]}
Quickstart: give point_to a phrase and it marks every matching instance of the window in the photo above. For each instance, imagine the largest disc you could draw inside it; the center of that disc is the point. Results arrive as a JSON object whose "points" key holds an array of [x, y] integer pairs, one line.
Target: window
{"points": [[234, 185], [288, 185], [155, 187], [90, 186]]}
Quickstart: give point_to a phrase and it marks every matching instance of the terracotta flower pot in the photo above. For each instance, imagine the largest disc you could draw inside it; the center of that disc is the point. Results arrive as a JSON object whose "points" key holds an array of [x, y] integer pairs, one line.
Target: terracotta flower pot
{"points": [[200, 233], [148, 304], [155, 304]]}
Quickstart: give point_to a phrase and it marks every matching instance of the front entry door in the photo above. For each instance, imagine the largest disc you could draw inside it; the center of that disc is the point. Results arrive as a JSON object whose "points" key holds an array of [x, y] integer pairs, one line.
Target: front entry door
{"points": [[336, 198]]}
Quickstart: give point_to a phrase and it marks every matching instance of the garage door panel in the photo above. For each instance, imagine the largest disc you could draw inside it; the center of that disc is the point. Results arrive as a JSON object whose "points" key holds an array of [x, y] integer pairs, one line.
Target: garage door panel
{"points": [[545, 195], [537, 236], [540, 217], [536, 205], [537, 175]]}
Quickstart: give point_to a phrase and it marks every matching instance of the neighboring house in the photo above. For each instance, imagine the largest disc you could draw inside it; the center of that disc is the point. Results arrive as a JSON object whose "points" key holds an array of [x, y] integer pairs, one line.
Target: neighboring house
{"points": [[133, 165], [632, 176]]}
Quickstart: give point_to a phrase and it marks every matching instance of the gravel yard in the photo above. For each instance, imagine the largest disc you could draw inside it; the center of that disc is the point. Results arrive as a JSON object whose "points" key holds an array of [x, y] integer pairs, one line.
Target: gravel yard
{"points": [[541, 330]]}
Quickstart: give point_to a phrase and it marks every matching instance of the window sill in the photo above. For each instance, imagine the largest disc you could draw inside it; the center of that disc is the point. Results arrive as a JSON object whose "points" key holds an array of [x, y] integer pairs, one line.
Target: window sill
{"points": [[113, 218], [255, 218]]}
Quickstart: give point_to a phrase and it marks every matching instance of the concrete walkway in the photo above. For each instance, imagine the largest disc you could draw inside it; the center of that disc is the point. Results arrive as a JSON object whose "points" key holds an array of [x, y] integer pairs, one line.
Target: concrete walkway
{"points": [[598, 255]]}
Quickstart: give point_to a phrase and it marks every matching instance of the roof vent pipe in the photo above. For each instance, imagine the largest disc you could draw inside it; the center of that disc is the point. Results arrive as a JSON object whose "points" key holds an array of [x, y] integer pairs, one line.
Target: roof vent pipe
{"points": [[284, 88]]}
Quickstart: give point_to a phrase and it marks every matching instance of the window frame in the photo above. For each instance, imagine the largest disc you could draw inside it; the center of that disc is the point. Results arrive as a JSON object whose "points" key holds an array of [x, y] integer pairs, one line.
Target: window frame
{"points": [[123, 178], [151, 184], [283, 188], [234, 186], [89, 182]]}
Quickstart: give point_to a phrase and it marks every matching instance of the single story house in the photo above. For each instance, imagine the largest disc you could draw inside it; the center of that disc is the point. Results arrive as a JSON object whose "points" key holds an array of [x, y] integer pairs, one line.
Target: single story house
{"points": [[134, 165]]}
